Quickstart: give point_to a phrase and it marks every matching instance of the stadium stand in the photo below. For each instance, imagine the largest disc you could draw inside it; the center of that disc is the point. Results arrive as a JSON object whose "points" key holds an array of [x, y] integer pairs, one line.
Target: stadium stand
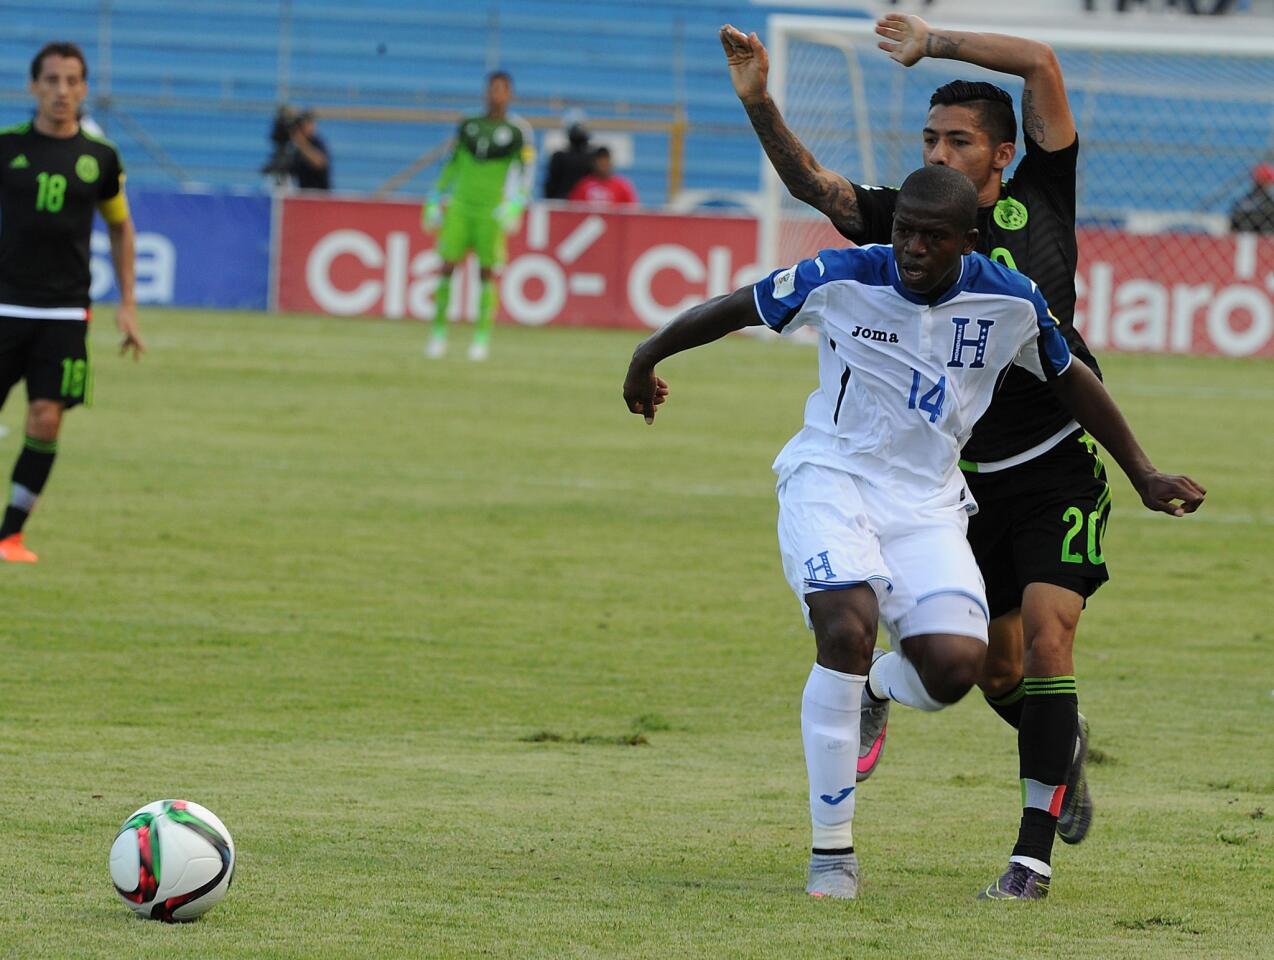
{"points": [[189, 90]]}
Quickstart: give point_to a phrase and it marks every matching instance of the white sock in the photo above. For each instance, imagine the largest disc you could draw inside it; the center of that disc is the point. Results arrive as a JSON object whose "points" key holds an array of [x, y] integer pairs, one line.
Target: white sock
{"points": [[829, 728], [894, 677], [1039, 866]]}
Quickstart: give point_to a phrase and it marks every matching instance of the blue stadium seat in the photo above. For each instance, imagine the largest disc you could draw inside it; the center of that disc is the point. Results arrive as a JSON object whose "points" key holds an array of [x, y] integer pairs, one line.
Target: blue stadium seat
{"points": [[194, 87]]}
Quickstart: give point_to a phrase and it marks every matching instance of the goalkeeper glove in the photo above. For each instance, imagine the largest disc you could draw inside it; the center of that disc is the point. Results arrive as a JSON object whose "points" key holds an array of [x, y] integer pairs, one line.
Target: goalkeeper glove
{"points": [[509, 215], [431, 215]]}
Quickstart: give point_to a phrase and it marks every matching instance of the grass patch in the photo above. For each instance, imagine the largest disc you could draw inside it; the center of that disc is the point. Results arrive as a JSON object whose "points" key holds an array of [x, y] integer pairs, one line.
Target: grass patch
{"points": [[293, 571]]}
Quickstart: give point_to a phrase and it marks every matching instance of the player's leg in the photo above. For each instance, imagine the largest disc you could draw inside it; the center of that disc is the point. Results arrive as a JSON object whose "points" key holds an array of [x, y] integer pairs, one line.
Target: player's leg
{"points": [[844, 624], [452, 245], [832, 562], [490, 247], [990, 537], [30, 474], [1001, 680], [1057, 542], [936, 613], [58, 376], [1046, 738], [437, 345]]}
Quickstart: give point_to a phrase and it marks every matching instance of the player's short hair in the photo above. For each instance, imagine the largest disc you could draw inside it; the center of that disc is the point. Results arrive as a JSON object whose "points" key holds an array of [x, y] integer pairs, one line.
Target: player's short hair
{"points": [[495, 75], [941, 188], [602, 152], [994, 106], [58, 48]]}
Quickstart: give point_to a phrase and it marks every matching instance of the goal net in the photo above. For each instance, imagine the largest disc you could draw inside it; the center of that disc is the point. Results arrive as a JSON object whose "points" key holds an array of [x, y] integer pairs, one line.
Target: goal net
{"points": [[1176, 143]]}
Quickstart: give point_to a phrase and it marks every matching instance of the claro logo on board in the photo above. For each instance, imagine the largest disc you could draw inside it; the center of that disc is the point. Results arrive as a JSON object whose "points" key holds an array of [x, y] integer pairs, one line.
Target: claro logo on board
{"points": [[608, 270]]}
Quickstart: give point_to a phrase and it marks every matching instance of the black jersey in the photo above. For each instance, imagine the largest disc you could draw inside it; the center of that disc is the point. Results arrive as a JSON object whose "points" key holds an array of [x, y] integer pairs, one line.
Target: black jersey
{"points": [[49, 190], [1031, 229]]}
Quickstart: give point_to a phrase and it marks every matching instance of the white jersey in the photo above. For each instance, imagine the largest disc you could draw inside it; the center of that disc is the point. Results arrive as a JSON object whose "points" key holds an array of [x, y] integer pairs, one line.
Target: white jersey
{"points": [[902, 381]]}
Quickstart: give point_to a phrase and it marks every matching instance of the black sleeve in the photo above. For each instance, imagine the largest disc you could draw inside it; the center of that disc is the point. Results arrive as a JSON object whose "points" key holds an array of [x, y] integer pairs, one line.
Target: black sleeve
{"points": [[1051, 173], [112, 173], [876, 205]]}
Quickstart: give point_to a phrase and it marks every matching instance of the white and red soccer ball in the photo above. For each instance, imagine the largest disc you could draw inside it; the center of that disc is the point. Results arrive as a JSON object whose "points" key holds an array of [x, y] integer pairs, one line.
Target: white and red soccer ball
{"points": [[172, 860]]}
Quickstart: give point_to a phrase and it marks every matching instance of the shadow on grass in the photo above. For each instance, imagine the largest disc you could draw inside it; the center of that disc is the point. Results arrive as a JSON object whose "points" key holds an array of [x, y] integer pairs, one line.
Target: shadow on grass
{"points": [[646, 723], [1159, 922]]}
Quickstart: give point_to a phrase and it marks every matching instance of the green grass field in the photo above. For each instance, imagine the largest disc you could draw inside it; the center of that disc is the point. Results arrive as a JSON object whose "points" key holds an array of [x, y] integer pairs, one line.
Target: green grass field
{"points": [[474, 663]]}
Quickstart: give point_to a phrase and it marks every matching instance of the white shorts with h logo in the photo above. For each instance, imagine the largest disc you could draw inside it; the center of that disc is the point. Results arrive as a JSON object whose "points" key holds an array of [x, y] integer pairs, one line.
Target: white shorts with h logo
{"points": [[838, 530]]}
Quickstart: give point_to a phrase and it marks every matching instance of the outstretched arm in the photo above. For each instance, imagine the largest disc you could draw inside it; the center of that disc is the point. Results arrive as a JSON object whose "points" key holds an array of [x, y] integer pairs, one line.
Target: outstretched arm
{"points": [[1098, 413], [805, 178], [643, 391], [1046, 113]]}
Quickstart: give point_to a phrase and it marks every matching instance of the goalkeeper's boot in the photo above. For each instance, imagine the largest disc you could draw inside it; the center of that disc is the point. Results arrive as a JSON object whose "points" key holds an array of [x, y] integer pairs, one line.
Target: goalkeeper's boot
{"points": [[436, 348], [873, 719], [479, 350], [1076, 815], [833, 875], [13, 550]]}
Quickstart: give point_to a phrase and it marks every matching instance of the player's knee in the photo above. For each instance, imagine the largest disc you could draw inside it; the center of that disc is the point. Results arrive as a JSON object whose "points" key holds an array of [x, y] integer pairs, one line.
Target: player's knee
{"points": [[44, 419], [844, 631], [962, 676], [950, 666], [999, 675], [1051, 644], [1050, 637]]}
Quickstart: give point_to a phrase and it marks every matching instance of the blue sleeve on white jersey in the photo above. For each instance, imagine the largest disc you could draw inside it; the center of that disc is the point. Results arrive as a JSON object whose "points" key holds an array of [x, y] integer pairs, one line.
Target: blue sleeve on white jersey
{"points": [[1046, 354], [780, 296]]}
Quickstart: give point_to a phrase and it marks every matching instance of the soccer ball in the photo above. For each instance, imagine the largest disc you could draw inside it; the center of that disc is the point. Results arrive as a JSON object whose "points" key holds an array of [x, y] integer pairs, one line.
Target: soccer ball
{"points": [[172, 860]]}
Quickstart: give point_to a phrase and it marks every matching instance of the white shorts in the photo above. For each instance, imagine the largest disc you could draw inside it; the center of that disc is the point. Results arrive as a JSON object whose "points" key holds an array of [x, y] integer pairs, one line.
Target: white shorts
{"points": [[837, 531]]}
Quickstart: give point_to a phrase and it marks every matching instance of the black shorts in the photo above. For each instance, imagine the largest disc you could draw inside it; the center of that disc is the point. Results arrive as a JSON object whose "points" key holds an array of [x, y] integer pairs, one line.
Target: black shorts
{"points": [[51, 355], [1042, 522]]}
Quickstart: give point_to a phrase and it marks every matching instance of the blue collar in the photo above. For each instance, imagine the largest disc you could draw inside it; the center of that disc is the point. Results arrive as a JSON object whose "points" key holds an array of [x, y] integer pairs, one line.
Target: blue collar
{"points": [[895, 281]]}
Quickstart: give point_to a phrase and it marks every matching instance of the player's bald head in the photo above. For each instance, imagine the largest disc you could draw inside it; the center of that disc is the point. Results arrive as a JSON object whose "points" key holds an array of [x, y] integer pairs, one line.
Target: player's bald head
{"points": [[941, 192]]}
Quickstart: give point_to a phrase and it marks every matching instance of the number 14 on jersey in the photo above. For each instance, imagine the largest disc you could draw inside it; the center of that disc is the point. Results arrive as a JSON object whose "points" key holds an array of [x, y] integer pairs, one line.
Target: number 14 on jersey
{"points": [[931, 401]]}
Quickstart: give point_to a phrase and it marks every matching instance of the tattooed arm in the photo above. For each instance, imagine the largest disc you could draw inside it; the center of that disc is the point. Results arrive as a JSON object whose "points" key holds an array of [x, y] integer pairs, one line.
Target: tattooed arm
{"points": [[805, 178], [1046, 114]]}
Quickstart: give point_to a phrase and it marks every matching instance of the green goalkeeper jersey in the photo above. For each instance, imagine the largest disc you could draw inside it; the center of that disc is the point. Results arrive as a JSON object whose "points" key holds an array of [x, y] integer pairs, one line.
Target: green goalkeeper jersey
{"points": [[494, 161]]}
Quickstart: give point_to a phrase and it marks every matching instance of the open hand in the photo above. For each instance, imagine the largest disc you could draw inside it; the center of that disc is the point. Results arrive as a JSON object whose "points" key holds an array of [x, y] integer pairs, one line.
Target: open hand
{"points": [[905, 37], [748, 61], [126, 320], [1168, 493]]}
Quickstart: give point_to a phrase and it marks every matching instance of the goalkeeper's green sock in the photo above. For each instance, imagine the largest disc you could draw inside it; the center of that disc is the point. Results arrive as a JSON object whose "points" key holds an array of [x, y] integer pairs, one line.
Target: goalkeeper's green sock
{"points": [[487, 302], [442, 300]]}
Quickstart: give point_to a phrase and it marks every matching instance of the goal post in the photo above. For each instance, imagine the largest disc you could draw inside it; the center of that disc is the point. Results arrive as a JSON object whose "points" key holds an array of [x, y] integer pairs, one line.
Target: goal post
{"points": [[1174, 128]]}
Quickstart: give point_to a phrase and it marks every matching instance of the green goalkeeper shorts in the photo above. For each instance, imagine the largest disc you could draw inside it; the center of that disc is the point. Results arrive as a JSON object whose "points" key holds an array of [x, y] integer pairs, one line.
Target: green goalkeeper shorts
{"points": [[471, 228]]}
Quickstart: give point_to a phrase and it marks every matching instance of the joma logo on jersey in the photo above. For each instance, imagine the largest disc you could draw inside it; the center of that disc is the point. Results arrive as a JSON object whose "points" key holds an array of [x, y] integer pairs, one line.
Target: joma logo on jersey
{"points": [[880, 336], [978, 343]]}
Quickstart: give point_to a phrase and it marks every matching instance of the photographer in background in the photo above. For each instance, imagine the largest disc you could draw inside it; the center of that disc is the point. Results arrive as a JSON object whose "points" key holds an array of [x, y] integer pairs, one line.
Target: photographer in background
{"points": [[1254, 211], [298, 154], [311, 166], [568, 167]]}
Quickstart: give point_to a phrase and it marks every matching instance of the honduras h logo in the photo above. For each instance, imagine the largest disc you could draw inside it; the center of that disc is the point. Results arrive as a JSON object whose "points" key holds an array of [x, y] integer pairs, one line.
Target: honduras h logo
{"points": [[978, 343], [823, 565]]}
